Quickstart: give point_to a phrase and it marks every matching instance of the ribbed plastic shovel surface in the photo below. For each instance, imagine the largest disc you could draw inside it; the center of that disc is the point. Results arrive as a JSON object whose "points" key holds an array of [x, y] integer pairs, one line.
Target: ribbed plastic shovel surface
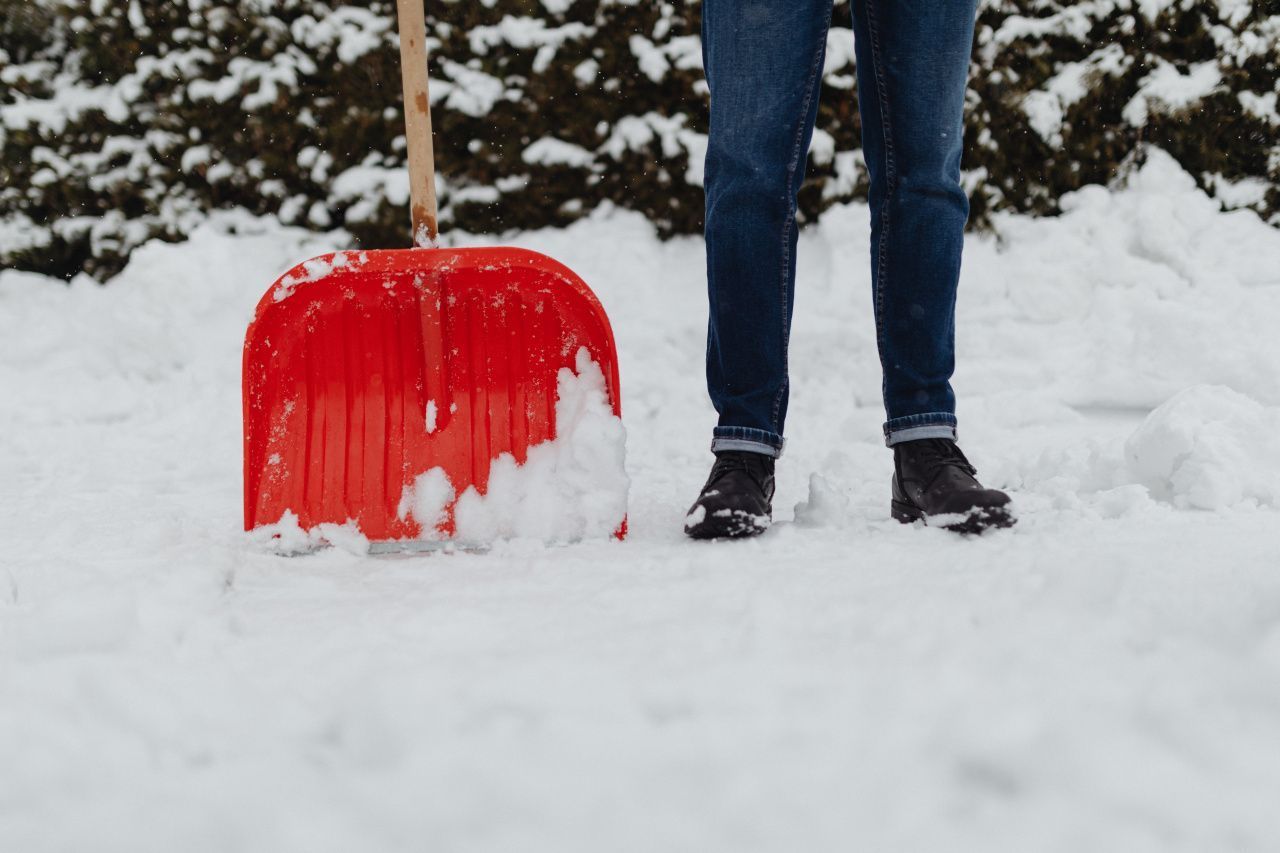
{"points": [[363, 370]]}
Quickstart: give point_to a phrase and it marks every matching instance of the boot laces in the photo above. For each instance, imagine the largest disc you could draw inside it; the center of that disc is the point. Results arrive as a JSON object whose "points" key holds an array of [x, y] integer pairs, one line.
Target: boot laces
{"points": [[942, 452], [740, 461]]}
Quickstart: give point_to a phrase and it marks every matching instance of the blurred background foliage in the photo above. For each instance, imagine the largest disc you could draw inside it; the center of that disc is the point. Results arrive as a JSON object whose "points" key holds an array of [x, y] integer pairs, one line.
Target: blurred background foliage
{"points": [[129, 120]]}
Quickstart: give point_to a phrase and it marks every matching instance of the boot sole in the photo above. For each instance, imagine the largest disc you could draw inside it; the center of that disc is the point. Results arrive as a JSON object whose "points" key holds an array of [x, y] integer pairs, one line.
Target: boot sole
{"points": [[708, 535], [729, 527], [975, 521]]}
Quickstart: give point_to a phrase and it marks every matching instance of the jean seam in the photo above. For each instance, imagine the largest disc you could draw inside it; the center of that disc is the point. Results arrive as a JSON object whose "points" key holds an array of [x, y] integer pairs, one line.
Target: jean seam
{"points": [[742, 429], [891, 180], [923, 419], [789, 222], [761, 436]]}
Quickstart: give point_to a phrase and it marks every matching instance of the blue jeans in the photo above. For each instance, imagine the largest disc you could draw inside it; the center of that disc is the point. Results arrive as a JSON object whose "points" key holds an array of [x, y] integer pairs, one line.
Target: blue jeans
{"points": [[764, 62]]}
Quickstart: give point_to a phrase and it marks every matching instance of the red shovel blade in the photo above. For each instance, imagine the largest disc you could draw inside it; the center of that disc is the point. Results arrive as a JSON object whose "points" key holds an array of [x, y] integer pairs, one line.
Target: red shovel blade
{"points": [[363, 370]]}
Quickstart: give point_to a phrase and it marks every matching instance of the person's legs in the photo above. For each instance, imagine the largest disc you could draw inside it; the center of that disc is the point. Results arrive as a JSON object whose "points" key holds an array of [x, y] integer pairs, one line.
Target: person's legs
{"points": [[763, 62], [912, 66]]}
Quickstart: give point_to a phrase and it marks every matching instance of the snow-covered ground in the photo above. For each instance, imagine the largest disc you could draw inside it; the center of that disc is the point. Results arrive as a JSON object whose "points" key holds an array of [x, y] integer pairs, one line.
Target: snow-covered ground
{"points": [[1106, 676]]}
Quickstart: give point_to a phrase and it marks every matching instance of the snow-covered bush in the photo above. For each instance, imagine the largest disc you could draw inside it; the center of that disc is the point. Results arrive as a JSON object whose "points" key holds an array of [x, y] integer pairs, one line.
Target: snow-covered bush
{"points": [[123, 121], [1063, 93]]}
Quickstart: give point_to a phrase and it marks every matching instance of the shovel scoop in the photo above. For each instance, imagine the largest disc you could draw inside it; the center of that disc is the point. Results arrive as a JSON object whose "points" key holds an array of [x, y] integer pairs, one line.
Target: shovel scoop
{"points": [[365, 369]]}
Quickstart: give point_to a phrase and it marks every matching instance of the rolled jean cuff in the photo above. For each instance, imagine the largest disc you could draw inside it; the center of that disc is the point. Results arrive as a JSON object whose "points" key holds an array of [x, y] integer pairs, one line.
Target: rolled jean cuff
{"points": [[914, 427], [748, 439]]}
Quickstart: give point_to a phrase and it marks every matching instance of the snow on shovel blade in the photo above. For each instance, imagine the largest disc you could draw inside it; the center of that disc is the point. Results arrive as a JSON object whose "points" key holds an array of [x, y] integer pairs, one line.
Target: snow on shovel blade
{"points": [[362, 370]]}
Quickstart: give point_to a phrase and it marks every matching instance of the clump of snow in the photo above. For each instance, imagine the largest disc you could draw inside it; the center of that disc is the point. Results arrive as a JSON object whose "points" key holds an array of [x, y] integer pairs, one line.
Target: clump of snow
{"points": [[839, 57], [1233, 11], [1166, 90], [571, 488], [822, 148], [634, 133], [1209, 447], [315, 269], [525, 32], [427, 501], [653, 61], [355, 32], [1245, 192], [432, 414], [19, 232], [826, 505], [287, 537], [345, 537], [1261, 106], [1046, 107], [274, 76], [369, 182], [586, 72], [468, 91], [550, 151]]}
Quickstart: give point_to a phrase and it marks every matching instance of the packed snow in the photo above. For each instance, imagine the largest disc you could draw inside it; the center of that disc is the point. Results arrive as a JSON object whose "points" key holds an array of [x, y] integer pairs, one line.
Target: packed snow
{"points": [[569, 489], [427, 501], [1105, 676], [288, 538]]}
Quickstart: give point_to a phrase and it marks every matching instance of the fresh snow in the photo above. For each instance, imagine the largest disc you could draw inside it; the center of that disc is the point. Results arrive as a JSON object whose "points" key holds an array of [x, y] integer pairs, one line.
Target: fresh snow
{"points": [[1102, 677]]}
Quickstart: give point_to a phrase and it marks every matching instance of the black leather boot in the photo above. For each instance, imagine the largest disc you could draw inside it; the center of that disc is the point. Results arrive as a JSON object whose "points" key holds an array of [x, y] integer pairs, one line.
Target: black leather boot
{"points": [[933, 482], [737, 499]]}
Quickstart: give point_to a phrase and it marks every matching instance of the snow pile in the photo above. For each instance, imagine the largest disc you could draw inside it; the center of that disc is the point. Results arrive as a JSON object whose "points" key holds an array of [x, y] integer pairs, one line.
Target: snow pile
{"points": [[571, 488], [1206, 448], [1209, 448], [1126, 299]]}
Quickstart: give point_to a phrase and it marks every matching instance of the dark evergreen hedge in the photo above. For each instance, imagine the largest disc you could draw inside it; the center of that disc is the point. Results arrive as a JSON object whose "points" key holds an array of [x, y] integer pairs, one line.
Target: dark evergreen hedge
{"points": [[123, 121]]}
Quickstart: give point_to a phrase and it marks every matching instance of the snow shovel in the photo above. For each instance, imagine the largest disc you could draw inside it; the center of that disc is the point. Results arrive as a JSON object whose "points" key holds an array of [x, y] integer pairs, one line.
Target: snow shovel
{"points": [[365, 369]]}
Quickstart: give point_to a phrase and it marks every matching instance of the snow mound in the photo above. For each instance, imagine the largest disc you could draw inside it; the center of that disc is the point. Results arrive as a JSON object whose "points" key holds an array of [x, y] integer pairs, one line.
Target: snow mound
{"points": [[1126, 299], [1208, 447], [571, 488]]}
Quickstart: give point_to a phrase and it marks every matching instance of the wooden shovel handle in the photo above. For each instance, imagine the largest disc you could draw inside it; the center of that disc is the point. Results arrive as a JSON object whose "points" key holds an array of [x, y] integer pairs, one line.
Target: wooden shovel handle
{"points": [[417, 120]]}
